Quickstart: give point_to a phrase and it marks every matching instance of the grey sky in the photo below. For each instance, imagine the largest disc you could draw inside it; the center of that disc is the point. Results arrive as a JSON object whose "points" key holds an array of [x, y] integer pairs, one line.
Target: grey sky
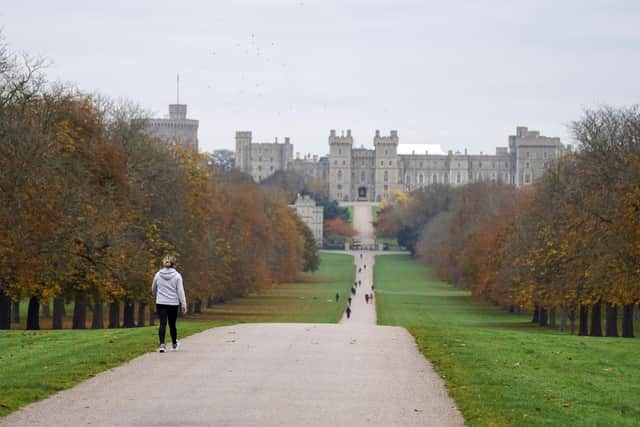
{"points": [[462, 74]]}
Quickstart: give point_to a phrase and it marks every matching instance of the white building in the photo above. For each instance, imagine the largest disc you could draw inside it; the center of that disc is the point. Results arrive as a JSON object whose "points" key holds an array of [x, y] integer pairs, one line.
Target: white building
{"points": [[311, 215]]}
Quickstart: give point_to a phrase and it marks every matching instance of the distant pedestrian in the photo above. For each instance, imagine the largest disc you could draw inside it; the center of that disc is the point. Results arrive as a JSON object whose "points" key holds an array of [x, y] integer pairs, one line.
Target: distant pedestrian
{"points": [[366, 298], [359, 282], [360, 256], [168, 289], [348, 312], [353, 291], [349, 301], [359, 270], [337, 297], [365, 266], [371, 297]]}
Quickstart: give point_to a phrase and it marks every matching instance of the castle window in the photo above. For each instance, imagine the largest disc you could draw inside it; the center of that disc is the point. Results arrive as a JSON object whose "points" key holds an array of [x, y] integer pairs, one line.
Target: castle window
{"points": [[259, 168], [420, 164], [260, 158], [271, 168], [339, 186], [344, 162], [435, 179], [480, 164], [526, 154], [335, 162], [408, 180], [527, 178], [386, 187], [506, 164], [390, 162], [386, 176], [362, 176], [386, 152], [526, 165], [458, 178], [339, 175], [381, 162], [545, 154], [421, 179], [339, 151], [493, 165]]}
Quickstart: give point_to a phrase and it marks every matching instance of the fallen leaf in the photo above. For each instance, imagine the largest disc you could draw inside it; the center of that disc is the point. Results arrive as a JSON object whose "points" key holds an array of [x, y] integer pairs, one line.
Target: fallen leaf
{"points": [[566, 405]]}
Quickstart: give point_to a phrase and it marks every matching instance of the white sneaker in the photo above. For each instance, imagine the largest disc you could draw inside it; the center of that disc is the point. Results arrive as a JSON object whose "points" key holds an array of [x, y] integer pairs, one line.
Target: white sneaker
{"points": [[162, 348], [176, 346]]}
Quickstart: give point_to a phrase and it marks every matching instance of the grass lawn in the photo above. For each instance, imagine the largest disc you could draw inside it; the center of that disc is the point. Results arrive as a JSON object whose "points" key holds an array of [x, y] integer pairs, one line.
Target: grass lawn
{"points": [[312, 300], [36, 364], [374, 212], [499, 368]]}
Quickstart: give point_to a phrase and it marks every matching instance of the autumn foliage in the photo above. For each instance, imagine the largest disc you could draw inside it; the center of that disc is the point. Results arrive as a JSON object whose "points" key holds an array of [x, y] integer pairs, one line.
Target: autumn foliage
{"points": [[89, 204], [567, 247]]}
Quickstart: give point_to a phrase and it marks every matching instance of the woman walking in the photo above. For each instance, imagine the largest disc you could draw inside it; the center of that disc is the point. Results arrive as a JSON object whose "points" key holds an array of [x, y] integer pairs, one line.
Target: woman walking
{"points": [[169, 292]]}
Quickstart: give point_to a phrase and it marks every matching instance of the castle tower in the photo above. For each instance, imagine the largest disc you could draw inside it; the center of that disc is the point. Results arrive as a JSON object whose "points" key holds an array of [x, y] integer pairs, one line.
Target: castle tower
{"points": [[387, 164], [243, 151], [340, 165]]}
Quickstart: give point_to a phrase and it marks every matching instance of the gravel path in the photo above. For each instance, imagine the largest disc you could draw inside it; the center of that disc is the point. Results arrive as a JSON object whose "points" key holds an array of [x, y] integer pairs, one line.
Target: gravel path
{"points": [[262, 375]]}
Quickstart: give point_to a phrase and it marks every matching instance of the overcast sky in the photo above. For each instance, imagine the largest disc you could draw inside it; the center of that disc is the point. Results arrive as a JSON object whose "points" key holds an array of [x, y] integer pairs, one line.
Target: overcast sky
{"points": [[462, 74]]}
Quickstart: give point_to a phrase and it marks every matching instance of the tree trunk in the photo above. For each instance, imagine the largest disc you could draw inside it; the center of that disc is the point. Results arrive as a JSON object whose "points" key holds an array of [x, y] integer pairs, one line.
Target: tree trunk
{"points": [[584, 320], [612, 320], [45, 310], [5, 311], [627, 320], [536, 315], [129, 313], [98, 317], [542, 317], [33, 314], [152, 314], [80, 311], [563, 320], [572, 320], [197, 307], [552, 318], [58, 313], [114, 315], [15, 311], [596, 320], [142, 308]]}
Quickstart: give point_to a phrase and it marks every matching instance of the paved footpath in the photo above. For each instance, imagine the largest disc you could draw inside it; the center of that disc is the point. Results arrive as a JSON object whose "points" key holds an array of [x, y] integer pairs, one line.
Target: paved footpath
{"points": [[350, 374]]}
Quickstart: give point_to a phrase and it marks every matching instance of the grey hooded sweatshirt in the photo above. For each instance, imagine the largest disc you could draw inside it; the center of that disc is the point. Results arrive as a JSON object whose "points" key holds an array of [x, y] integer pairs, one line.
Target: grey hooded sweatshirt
{"points": [[167, 287]]}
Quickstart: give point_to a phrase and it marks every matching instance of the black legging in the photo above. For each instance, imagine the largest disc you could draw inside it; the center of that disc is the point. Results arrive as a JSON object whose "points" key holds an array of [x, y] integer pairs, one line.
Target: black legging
{"points": [[170, 312]]}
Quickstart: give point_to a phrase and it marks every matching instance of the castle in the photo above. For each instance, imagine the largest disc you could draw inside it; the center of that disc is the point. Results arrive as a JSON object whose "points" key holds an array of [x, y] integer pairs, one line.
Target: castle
{"points": [[362, 174]]}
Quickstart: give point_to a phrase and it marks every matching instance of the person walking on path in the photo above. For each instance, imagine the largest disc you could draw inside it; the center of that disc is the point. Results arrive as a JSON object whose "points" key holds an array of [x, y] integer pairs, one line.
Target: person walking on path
{"points": [[349, 301], [366, 298], [168, 289], [337, 297], [348, 312]]}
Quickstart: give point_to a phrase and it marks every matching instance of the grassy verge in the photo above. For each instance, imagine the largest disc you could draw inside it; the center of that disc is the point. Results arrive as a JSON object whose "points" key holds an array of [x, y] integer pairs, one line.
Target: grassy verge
{"points": [[500, 369], [312, 300], [374, 212], [36, 364]]}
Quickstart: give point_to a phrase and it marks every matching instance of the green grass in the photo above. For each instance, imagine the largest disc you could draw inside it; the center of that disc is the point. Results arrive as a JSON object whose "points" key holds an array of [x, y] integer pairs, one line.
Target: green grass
{"points": [[374, 212], [499, 368], [310, 301], [36, 364]]}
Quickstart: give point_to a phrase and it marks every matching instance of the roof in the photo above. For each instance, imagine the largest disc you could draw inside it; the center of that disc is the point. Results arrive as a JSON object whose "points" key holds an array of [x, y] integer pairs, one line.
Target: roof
{"points": [[419, 149]]}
